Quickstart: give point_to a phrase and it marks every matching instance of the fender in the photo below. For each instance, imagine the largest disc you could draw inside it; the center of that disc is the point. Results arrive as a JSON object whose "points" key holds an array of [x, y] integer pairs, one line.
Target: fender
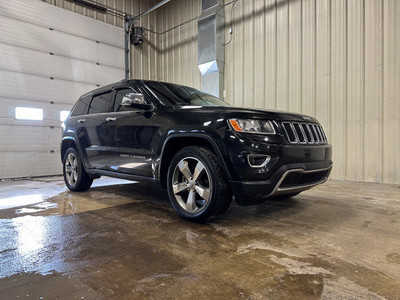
{"points": [[200, 136]]}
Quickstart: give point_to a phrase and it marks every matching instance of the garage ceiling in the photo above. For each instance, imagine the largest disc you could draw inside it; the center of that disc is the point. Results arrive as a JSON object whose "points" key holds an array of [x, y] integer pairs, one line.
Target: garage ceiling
{"points": [[48, 58]]}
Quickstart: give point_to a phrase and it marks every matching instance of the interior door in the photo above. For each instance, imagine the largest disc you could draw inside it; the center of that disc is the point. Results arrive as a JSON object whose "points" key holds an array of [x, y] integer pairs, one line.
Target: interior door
{"points": [[133, 131]]}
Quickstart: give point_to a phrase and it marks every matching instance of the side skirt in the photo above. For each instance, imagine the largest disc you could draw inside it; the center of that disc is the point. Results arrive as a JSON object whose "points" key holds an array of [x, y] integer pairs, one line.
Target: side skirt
{"points": [[95, 172]]}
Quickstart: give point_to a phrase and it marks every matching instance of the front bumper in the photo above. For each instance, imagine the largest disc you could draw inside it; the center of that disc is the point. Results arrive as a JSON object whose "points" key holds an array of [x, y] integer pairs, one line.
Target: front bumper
{"points": [[290, 169], [289, 178]]}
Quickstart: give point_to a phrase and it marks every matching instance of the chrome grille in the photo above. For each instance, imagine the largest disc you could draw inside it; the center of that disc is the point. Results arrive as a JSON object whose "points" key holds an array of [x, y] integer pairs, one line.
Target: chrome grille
{"points": [[304, 133]]}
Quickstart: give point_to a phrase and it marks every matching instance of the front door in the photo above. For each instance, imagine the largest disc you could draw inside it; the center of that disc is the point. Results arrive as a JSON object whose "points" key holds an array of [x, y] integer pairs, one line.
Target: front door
{"points": [[133, 131]]}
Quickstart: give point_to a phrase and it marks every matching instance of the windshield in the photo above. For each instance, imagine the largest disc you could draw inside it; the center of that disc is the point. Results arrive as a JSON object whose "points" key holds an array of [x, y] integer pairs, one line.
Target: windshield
{"points": [[182, 95]]}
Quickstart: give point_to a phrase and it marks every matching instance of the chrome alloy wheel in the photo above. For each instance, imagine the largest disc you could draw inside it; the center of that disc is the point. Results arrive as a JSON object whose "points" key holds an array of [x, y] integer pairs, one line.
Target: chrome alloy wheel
{"points": [[191, 184], [71, 169]]}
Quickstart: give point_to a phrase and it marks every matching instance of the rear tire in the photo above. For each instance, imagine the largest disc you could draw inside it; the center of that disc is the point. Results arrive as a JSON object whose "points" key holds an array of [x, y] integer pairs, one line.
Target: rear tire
{"points": [[75, 176], [197, 186]]}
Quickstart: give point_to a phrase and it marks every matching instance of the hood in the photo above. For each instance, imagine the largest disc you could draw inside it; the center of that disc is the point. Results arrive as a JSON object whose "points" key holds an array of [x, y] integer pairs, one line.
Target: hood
{"points": [[251, 113]]}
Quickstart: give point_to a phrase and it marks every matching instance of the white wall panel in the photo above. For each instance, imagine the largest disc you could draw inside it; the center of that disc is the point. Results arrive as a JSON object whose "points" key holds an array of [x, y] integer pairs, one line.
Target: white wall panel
{"points": [[31, 36], [132, 7], [17, 59], [33, 87], [31, 138], [51, 112], [85, 53], [40, 13], [30, 163]]}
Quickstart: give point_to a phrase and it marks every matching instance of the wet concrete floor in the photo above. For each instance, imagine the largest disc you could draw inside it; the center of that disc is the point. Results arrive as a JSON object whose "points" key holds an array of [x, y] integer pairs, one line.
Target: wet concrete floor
{"points": [[122, 240]]}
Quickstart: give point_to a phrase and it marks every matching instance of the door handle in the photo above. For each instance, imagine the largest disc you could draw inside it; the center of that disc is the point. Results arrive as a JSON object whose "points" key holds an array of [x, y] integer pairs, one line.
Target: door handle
{"points": [[110, 119], [81, 121]]}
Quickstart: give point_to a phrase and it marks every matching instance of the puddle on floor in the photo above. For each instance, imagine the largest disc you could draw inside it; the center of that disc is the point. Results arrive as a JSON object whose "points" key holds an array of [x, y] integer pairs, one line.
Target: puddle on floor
{"points": [[22, 198]]}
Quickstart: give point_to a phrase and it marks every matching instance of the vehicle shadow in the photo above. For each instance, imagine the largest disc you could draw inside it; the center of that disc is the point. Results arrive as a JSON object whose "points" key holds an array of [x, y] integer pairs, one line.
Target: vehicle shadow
{"points": [[143, 191], [154, 193]]}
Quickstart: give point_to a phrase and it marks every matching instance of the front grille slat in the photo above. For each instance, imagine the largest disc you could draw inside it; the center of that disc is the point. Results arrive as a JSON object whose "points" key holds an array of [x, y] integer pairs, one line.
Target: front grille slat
{"points": [[290, 133], [321, 140], [300, 135], [323, 134], [304, 133], [317, 138], [312, 139], [313, 133]]}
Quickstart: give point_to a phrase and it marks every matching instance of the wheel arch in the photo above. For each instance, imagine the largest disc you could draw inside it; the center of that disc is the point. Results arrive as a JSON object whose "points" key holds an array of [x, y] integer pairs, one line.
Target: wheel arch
{"points": [[70, 142], [66, 143], [177, 142]]}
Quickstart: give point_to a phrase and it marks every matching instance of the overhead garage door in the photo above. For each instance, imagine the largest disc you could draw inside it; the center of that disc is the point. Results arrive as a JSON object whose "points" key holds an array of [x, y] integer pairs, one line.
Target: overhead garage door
{"points": [[48, 58]]}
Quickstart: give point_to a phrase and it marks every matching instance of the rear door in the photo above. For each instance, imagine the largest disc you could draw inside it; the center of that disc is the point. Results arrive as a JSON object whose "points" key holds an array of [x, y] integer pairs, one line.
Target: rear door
{"points": [[98, 138], [76, 122]]}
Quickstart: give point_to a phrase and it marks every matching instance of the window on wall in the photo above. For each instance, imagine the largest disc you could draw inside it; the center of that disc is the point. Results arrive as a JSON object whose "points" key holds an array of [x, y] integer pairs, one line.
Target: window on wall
{"points": [[29, 113], [64, 114]]}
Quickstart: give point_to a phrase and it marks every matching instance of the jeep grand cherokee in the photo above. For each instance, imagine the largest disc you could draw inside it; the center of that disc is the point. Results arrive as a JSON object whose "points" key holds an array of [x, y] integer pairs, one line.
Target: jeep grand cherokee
{"points": [[202, 150]]}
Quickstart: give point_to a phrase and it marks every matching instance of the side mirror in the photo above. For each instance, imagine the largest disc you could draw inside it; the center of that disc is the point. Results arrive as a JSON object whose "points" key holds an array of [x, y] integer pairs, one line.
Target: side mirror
{"points": [[135, 100]]}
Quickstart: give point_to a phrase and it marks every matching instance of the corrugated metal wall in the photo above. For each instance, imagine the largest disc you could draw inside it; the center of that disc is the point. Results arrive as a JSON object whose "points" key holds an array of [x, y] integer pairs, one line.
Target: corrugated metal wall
{"points": [[171, 55], [337, 60]]}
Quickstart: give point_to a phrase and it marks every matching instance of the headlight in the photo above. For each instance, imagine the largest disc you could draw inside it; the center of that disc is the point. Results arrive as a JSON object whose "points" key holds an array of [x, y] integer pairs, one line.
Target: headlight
{"points": [[252, 126]]}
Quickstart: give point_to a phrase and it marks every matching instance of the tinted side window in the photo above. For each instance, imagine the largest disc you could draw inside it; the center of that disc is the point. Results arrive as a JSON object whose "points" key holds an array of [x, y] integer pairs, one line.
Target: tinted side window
{"points": [[120, 95], [100, 103], [81, 108]]}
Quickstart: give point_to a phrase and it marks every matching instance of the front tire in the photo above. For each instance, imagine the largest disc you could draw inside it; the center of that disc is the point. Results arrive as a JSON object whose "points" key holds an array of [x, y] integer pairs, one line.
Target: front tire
{"points": [[75, 176], [197, 186]]}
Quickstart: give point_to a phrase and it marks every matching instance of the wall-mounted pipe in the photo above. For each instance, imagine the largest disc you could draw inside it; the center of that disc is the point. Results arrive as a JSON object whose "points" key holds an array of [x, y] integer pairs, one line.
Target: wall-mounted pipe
{"points": [[91, 5], [129, 21]]}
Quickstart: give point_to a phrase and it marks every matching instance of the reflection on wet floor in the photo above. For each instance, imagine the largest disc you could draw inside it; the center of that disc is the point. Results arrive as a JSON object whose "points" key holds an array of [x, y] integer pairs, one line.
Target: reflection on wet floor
{"points": [[56, 199], [16, 201], [122, 240]]}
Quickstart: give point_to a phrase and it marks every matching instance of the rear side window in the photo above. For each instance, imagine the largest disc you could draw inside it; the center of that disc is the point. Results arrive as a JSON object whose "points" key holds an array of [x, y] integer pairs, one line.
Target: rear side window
{"points": [[82, 106], [100, 103]]}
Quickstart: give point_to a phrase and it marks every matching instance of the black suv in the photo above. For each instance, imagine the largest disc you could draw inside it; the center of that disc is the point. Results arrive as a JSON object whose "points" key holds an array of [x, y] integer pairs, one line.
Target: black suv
{"points": [[194, 144]]}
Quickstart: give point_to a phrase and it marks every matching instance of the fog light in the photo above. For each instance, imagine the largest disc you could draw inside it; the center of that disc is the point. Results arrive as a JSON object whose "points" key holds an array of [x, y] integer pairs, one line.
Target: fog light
{"points": [[258, 160]]}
